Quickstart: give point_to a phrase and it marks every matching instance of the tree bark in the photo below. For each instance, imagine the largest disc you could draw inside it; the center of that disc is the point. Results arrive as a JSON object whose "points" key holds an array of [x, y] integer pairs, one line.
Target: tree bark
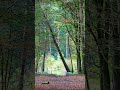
{"points": [[44, 56], [23, 58], [116, 60], [6, 69], [2, 70], [66, 45], [9, 70], [78, 52], [115, 28], [37, 59], [85, 72], [103, 44], [70, 54]]}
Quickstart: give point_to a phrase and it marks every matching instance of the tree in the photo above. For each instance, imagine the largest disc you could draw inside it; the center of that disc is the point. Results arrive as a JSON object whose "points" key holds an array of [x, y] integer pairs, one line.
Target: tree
{"points": [[76, 9], [100, 33], [115, 30], [44, 54], [13, 44]]}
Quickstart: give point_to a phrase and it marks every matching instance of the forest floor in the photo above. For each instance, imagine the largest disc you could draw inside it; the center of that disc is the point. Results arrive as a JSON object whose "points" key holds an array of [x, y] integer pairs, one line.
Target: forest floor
{"points": [[74, 82]]}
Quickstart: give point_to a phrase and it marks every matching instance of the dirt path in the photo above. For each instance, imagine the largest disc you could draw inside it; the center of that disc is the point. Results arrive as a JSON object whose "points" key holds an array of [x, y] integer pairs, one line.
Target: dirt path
{"points": [[60, 83]]}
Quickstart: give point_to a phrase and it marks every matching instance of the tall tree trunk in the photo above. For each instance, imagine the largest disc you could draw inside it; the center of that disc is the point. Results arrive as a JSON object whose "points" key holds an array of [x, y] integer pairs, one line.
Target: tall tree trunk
{"points": [[9, 69], [103, 45], [7, 63], [50, 51], [116, 59], [2, 69], [104, 72], [85, 72], [23, 58], [37, 59], [44, 56], [115, 28], [66, 55], [85, 57], [43, 64], [70, 54], [78, 52], [58, 40], [21, 82], [81, 29], [6, 69]]}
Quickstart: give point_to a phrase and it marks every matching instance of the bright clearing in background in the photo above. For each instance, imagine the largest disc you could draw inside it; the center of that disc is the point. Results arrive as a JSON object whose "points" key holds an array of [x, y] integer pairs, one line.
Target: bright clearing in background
{"points": [[58, 46]]}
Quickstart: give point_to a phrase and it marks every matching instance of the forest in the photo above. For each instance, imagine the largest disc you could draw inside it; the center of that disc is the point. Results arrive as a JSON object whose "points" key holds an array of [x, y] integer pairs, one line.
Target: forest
{"points": [[77, 37], [71, 44], [59, 36]]}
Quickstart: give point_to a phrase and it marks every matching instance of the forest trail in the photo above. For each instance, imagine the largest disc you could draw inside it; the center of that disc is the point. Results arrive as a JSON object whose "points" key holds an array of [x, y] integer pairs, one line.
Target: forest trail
{"points": [[76, 82]]}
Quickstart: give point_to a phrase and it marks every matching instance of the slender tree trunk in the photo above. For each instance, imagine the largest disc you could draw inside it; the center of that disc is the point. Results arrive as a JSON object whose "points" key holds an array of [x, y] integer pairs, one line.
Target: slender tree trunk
{"points": [[104, 71], [37, 59], [8, 57], [116, 60], [70, 54], [81, 30], [44, 56], [86, 74], [115, 28], [8, 62], [9, 70], [22, 76], [50, 45], [58, 36], [43, 66], [58, 40], [21, 82], [103, 56], [2, 70], [103, 45], [66, 55], [23, 56], [78, 52], [85, 57], [6, 69]]}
